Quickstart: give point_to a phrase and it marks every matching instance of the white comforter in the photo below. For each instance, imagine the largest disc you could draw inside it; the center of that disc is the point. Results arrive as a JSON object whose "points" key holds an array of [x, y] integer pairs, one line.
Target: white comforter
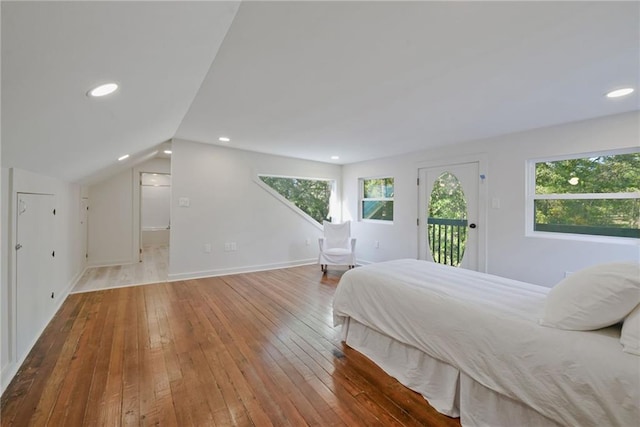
{"points": [[487, 327]]}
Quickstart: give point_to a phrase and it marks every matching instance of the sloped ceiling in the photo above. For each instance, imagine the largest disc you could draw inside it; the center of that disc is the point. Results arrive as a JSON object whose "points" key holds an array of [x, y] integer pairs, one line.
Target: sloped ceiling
{"points": [[359, 80], [54, 52]]}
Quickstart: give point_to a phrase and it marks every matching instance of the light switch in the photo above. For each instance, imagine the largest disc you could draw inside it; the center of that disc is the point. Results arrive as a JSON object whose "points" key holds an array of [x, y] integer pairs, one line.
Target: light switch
{"points": [[495, 203], [184, 202]]}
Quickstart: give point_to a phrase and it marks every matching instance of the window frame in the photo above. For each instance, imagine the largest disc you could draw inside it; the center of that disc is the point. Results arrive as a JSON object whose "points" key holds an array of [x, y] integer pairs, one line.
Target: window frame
{"points": [[333, 204], [362, 199], [531, 197]]}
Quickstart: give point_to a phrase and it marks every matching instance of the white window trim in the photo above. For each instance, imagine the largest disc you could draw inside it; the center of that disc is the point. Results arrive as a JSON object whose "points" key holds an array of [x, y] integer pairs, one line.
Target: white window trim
{"points": [[361, 199], [290, 205], [531, 197]]}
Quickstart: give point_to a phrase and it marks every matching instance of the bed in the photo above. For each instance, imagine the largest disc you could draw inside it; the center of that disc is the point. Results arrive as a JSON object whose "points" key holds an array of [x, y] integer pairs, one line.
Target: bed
{"points": [[472, 345]]}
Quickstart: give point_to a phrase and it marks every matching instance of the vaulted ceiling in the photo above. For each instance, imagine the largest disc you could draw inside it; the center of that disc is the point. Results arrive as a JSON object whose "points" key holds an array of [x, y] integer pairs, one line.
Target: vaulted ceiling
{"points": [[358, 80]]}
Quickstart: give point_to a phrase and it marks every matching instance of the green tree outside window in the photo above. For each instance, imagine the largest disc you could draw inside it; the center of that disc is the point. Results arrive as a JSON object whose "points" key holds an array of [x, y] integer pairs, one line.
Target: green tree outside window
{"points": [[598, 195], [312, 196]]}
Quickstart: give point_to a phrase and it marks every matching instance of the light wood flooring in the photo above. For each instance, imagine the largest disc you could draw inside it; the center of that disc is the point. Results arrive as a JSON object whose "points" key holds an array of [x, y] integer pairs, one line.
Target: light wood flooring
{"points": [[154, 268], [255, 349]]}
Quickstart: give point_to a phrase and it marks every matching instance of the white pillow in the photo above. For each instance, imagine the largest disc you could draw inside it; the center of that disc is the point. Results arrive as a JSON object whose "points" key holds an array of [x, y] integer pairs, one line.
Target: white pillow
{"points": [[593, 298], [630, 336]]}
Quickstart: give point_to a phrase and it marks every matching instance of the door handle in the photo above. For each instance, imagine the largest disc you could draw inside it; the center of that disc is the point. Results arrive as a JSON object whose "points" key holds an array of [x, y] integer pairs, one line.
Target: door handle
{"points": [[18, 246], [472, 225]]}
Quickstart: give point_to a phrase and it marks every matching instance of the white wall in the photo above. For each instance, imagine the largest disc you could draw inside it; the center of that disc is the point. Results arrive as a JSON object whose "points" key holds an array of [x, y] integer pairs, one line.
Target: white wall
{"points": [[111, 221], [69, 261], [509, 252], [154, 206], [227, 205], [114, 215]]}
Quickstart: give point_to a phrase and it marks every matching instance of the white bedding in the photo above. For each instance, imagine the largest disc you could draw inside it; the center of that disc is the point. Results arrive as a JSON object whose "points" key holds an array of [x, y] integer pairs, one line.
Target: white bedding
{"points": [[487, 327]]}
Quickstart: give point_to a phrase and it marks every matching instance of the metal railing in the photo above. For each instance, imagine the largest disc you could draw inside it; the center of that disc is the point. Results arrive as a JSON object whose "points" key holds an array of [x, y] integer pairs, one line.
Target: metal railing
{"points": [[447, 238]]}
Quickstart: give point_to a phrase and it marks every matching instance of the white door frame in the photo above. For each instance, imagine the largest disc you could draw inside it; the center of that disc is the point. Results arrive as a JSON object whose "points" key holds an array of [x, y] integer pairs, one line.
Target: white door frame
{"points": [[84, 232], [482, 223]]}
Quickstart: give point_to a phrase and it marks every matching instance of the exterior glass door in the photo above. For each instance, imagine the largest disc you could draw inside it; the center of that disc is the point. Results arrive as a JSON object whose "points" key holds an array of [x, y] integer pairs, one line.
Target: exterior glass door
{"points": [[449, 215]]}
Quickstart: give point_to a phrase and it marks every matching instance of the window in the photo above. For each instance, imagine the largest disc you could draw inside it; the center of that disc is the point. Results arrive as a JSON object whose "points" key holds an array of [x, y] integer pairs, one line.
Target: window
{"points": [[311, 196], [377, 199], [597, 195]]}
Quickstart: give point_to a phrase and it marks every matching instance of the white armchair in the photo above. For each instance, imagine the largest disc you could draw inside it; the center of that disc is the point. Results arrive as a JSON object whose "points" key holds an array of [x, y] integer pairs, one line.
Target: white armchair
{"points": [[337, 247]]}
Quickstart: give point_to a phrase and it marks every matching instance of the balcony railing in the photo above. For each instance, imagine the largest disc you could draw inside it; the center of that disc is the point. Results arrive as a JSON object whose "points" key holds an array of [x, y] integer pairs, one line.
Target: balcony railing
{"points": [[594, 231], [447, 238]]}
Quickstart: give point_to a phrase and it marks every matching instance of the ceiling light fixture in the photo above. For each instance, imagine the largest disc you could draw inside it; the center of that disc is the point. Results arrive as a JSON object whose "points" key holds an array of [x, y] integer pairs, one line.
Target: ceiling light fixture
{"points": [[335, 157], [103, 90], [121, 158], [224, 139], [167, 151], [619, 92]]}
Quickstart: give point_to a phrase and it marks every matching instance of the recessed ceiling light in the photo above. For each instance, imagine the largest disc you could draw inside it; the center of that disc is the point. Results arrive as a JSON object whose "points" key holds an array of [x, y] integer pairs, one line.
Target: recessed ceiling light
{"points": [[224, 139], [121, 158], [167, 151], [619, 92], [103, 90], [335, 157]]}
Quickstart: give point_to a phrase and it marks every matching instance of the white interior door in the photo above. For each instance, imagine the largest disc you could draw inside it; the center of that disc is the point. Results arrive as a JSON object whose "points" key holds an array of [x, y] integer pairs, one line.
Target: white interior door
{"points": [[449, 220], [34, 267]]}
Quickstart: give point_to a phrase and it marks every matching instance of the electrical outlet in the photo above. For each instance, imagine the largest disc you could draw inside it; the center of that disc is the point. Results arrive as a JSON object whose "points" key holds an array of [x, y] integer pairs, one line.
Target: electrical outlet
{"points": [[376, 244], [234, 246], [207, 248], [307, 242]]}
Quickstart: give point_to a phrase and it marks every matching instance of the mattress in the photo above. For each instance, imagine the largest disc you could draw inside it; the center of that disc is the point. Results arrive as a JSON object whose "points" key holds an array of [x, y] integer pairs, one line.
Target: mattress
{"points": [[487, 327]]}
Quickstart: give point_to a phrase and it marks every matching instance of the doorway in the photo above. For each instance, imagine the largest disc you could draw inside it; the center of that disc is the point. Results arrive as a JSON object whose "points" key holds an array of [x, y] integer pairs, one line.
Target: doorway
{"points": [[84, 228], [155, 208], [449, 225]]}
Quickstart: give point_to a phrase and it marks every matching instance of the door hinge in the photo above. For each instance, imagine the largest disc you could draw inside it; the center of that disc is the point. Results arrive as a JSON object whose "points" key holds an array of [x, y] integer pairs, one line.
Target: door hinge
{"points": [[86, 256], [54, 211], [141, 250], [418, 222], [53, 254], [417, 181]]}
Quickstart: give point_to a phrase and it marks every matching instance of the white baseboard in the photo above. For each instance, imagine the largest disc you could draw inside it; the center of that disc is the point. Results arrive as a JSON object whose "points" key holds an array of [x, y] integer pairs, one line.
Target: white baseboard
{"points": [[111, 263], [238, 270], [75, 280], [8, 372]]}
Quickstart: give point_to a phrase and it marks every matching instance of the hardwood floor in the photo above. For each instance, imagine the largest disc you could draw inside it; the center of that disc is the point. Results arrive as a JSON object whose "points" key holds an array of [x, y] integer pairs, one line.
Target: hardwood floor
{"points": [[250, 349], [154, 268]]}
